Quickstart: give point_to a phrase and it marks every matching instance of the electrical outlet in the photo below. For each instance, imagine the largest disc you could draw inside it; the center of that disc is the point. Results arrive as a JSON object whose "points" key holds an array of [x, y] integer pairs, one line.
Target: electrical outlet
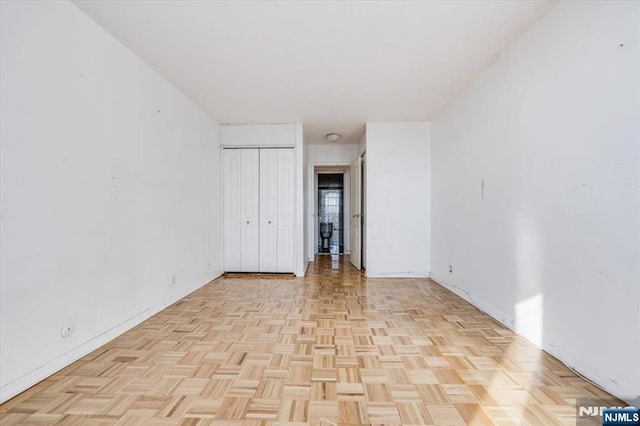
{"points": [[450, 268], [173, 279], [67, 330]]}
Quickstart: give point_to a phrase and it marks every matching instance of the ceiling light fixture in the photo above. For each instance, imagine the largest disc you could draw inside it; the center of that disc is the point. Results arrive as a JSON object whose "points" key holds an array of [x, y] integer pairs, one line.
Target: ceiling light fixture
{"points": [[333, 137]]}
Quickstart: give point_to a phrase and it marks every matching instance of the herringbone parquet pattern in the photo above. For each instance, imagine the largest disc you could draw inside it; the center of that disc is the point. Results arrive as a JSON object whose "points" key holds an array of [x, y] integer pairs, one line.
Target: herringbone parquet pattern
{"points": [[332, 348]]}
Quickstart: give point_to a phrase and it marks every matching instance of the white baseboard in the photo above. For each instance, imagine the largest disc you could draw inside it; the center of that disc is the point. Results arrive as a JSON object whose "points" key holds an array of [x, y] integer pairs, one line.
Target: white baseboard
{"points": [[304, 270], [35, 376], [573, 362], [369, 274]]}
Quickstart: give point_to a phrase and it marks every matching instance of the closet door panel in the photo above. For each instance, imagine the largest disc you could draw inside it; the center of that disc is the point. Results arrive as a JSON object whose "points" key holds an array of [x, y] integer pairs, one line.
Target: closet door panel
{"points": [[249, 220], [268, 210], [231, 209], [285, 210]]}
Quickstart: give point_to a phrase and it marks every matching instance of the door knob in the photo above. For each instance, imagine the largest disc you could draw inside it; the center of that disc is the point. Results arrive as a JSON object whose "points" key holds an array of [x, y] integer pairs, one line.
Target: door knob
{"points": [[269, 221]]}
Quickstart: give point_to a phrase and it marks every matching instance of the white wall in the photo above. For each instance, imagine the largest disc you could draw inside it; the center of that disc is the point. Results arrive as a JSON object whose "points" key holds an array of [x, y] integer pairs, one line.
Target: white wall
{"points": [[398, 199], [328, 155], [258, 135], [307, 205], [110, 191], [301, 223], [536, 199], [362, 144], [274, 135], [332, 154]]}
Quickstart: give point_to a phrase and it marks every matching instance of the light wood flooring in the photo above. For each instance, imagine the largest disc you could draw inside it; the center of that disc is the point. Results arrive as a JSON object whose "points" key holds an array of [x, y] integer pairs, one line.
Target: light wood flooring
{"points": [[333, 348]]}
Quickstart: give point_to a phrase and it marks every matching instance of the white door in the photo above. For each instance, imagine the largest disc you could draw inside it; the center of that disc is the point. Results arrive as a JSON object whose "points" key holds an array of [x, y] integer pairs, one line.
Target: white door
{"points": [[249, 196], [356, 213], [285, 222], [363, 212], [231, 212], [268, 210]]}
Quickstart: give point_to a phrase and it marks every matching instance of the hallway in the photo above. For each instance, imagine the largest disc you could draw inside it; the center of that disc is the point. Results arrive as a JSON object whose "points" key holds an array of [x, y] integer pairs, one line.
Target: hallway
{"points": [[332, 348]]}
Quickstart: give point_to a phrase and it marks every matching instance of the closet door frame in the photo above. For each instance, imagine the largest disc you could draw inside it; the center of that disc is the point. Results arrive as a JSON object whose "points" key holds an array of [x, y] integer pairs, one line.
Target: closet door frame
{"points": [[290, 266]]}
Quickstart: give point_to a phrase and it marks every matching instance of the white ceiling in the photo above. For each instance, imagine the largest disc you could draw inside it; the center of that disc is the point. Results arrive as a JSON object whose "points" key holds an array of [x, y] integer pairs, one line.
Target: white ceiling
{"points": [[329, 64]]}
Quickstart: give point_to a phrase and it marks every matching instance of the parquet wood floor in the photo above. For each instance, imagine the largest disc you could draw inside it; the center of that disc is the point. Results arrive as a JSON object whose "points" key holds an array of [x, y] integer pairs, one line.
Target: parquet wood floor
{"points": [[333, 348]]}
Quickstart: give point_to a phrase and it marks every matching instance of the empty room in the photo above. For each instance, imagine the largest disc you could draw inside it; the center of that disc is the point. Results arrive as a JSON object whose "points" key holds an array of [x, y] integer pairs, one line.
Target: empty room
{"points": [[319, 212]]}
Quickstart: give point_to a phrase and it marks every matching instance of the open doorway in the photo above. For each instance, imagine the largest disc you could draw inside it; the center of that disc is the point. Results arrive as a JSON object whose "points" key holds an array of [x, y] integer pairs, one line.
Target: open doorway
{"points": [[330, 215], [315, 240]]}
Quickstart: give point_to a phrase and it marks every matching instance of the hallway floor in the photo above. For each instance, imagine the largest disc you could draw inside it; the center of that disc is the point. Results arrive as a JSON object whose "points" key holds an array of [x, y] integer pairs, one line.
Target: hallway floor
{"points": [[332, 348]]}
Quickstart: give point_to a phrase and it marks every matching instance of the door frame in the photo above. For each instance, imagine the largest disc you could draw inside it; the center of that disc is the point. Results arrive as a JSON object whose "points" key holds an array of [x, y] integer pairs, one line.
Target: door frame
{"points": [[299, 268], [313, 203], [355, 188], [345, 214], [363, 211]]}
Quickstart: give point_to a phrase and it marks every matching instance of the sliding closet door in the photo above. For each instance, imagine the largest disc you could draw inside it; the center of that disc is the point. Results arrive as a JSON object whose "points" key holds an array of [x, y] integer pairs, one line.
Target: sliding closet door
{"points": [[249, 220], [285, 210], [268, 210], [231, 209]]}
